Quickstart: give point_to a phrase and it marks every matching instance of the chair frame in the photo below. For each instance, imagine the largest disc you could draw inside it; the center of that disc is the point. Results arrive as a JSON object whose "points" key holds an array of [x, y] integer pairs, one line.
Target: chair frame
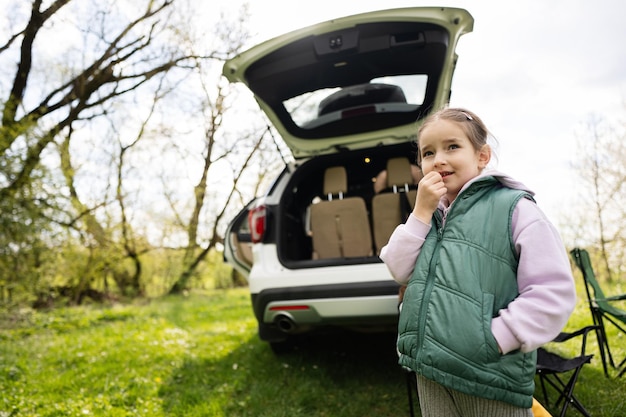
{"points": [[549, 375], [601, 311]]}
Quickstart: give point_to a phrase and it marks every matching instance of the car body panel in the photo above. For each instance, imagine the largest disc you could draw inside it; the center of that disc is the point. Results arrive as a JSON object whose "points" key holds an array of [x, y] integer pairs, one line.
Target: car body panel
{"points": [[271, 273]]}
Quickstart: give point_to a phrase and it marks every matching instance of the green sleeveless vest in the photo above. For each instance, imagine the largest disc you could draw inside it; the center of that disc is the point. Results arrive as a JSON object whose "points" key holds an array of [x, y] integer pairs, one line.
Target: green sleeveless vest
{"points": [[465, 273]]}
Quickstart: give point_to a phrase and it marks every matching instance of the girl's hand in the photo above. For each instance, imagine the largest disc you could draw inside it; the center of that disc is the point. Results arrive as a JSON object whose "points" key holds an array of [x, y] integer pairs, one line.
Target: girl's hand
{"points": [[429, 191]]}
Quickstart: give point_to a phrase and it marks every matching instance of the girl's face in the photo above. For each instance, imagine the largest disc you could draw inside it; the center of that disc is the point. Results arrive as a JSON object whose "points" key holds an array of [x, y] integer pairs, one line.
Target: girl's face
{"points": [[445, 148]]}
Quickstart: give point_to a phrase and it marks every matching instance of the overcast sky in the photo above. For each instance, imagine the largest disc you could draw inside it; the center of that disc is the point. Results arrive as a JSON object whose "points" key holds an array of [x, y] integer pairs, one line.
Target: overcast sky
{"points": [[535, 71]]}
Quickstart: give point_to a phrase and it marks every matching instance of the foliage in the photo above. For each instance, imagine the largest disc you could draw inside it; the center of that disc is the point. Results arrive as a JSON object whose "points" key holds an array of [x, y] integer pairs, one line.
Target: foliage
{"points": [[199, 356], [25, 238], [108, 112]]}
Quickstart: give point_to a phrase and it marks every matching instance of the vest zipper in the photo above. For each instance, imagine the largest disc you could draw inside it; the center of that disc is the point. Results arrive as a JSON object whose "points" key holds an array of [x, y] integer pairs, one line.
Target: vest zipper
{"points": [[430, 283]]}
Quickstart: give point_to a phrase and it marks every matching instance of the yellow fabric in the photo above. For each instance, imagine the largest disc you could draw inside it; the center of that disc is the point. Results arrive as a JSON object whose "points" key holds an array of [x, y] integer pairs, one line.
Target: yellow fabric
{"points": [[538, 410]]}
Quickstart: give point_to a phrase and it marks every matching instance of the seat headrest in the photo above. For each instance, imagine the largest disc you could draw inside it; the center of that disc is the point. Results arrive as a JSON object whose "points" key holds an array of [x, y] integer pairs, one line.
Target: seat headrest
{"points": [[335, 181], [399, 172]]}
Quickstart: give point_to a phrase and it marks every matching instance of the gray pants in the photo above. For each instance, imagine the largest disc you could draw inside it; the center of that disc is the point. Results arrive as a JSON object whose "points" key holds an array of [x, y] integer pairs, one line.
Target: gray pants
{"points": [[439, 401]]}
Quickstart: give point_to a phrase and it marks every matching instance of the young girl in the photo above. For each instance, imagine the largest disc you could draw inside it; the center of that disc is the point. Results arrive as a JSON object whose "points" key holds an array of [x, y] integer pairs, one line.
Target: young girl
{"points": [[488, 277]]}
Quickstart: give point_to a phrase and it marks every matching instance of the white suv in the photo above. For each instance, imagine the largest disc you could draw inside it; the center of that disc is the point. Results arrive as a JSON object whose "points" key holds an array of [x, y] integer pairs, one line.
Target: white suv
{"points": [[347, 97]]}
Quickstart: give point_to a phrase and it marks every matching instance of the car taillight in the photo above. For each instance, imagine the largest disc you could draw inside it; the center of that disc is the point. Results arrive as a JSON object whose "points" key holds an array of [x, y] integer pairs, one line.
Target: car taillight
{"points": [[256, 221]]}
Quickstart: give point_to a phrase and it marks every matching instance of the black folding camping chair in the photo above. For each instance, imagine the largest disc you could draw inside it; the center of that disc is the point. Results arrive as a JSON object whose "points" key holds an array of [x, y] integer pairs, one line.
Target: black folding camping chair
{"points": [[561, 373]]}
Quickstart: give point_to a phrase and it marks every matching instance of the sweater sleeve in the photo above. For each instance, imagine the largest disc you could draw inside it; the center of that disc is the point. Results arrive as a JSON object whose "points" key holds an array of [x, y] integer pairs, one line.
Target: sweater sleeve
{"points": [[547, 295], [405, 243]]}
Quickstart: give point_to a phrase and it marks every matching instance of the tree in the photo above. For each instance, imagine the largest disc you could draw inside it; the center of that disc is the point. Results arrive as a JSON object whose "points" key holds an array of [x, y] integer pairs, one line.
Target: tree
{"points": [[117, 54], [247, 149], [602, 200], [122, 65]]}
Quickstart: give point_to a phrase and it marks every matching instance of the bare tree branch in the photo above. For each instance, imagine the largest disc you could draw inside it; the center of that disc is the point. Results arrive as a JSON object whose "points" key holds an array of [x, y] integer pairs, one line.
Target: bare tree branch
{"points": [[24, 66]]}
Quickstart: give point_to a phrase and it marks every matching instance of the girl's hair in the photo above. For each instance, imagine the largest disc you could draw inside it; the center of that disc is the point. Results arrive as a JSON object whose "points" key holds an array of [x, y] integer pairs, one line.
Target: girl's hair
{"points": [[468, 121]]}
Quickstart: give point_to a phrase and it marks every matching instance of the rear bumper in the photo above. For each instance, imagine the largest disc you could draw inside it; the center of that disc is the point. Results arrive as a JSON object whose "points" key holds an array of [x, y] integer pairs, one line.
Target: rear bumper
{"points": [[348, 304]]}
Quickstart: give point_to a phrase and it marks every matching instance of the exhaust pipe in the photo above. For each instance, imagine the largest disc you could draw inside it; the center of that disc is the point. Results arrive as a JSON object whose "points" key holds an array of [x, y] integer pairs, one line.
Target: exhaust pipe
{"points": [[285, 323]]}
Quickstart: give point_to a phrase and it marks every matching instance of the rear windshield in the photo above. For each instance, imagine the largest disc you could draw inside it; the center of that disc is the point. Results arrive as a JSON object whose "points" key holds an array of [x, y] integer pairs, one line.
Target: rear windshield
{"points": [[391, 94]]}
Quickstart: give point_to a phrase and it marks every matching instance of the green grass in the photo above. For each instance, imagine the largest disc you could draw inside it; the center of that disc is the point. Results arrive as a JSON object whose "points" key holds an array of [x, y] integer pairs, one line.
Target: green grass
{"points": [[200, 356], [193, 356]]}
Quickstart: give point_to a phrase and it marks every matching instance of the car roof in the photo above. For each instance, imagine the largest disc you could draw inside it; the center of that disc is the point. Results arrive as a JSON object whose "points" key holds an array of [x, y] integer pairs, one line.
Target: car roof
{"points": [[357, 81]]}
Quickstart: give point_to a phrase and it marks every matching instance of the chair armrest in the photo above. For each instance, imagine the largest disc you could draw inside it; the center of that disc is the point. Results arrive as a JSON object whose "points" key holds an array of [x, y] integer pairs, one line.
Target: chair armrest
{"points": [[564, 336], [614, 298]]}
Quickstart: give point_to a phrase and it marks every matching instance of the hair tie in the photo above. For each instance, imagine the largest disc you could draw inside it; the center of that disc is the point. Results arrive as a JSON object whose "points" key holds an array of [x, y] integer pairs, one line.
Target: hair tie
{"points": [[467, 115]]}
